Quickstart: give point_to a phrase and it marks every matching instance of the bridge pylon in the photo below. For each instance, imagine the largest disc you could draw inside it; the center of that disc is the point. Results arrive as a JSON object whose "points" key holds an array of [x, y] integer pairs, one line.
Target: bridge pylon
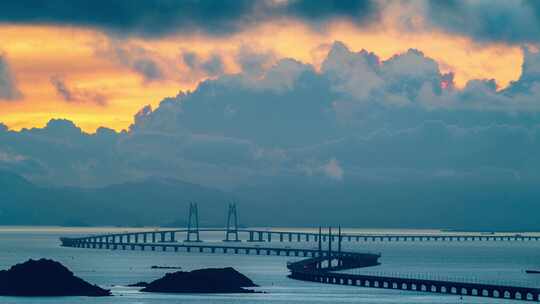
{"points": [[193, 223], [232, 224]]}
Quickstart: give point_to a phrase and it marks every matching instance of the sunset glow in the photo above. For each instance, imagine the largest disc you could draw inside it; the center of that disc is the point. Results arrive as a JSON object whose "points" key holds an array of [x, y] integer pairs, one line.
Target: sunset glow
{"points": [[84, 59]]}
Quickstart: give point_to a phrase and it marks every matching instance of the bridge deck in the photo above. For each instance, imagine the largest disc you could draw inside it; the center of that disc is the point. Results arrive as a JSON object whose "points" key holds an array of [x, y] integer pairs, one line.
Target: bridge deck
{"points": [[317, 267], [260, 235]]}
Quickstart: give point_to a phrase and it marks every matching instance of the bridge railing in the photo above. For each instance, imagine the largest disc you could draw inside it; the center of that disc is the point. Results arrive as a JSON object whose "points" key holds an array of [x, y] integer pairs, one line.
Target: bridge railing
{"points": [[443, 278]]}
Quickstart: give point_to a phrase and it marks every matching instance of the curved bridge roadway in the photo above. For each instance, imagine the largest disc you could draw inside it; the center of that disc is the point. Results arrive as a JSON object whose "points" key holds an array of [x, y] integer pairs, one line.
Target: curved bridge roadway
{"points": [[319, 266]]}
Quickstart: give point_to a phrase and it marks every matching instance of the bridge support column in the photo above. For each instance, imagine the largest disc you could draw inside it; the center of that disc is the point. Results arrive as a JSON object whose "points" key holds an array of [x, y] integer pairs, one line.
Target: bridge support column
{"points": [[340, 260], [232, 224], [269, 237], [330, 237], [320, 243]]}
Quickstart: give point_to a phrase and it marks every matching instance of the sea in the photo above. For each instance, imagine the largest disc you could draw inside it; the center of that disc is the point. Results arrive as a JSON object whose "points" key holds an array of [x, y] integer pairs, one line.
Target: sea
{"points": [[480, 261]]}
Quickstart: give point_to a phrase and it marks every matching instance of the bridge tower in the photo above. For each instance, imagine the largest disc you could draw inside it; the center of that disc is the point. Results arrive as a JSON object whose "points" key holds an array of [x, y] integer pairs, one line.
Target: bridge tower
{"points": [[193, 223], [232, 224]]}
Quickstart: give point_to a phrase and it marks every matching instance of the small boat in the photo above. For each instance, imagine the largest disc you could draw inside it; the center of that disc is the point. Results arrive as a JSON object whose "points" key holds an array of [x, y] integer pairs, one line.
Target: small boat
{"points": [[532, 271]]}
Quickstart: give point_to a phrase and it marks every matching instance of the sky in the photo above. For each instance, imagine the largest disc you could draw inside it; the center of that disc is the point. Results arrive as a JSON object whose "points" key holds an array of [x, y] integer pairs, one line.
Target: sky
{"points": [[230, 94], [97, 63]]}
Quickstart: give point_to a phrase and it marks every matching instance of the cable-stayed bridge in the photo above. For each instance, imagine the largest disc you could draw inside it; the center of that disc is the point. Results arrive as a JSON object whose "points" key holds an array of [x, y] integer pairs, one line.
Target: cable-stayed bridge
{"points": [[319, 264]]}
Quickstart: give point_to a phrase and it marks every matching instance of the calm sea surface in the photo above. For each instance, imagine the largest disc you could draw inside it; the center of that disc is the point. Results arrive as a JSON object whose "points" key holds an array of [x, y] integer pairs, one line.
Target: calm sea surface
{"points": [[467, 261]]}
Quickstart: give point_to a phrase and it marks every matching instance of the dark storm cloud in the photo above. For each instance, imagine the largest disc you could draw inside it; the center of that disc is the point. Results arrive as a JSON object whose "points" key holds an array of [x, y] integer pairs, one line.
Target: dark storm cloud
{"points": [[8, 85], [162, 17], [315, 11], [488, 20]]}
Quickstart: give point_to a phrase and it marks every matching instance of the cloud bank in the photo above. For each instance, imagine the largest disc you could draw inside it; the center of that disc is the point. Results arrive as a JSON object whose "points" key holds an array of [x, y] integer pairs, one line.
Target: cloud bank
{"points": [[164, 17], [514, 22], [359, 118]]}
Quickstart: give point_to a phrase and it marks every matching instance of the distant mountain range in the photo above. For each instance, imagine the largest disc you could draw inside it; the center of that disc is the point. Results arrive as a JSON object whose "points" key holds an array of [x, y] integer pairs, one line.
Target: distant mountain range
{"points": [[154, 201], [444, 204]]}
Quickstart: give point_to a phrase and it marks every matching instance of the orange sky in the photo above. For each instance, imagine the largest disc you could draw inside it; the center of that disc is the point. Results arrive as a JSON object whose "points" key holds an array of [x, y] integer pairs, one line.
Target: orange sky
{"points": [[37, 53]]}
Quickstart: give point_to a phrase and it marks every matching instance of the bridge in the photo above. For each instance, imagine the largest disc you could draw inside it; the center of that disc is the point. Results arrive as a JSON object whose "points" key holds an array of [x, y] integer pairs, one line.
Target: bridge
{"points": [[260, 235], [307, 270], [319, 265], [232, 233]]}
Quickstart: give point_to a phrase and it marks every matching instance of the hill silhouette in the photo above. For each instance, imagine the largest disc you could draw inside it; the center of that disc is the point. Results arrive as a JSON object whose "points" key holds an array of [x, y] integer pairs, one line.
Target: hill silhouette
{"points": [[45, 278]]}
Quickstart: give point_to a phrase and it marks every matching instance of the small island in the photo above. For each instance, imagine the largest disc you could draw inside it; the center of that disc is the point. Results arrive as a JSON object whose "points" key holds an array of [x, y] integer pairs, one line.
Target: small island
{"points": [[44, 278], [210, 280]]}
